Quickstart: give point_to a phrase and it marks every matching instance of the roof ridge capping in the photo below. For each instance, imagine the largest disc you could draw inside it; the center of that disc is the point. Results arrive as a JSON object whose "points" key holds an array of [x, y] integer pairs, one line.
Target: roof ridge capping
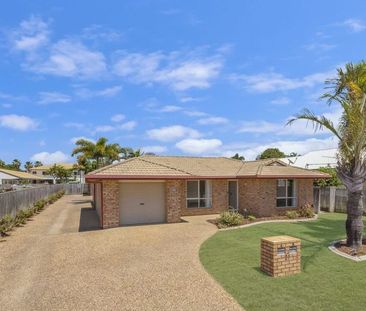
{"points": [[167, 166]]}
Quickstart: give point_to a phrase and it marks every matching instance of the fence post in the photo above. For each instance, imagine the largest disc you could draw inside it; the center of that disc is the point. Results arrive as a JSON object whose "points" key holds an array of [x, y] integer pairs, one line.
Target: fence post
{"points": [[332, 195]]}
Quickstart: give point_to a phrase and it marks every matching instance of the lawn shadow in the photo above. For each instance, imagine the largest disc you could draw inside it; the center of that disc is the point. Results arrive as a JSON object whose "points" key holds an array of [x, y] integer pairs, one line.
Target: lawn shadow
{"points": [[89, 220]]}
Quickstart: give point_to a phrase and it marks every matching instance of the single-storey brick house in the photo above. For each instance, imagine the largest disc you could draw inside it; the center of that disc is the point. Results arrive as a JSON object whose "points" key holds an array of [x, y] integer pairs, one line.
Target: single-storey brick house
{"points": [[155, 189]]}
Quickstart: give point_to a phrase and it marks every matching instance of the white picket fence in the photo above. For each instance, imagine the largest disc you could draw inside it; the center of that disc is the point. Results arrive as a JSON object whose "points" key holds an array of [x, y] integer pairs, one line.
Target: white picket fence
{"points": [[13, 201]]}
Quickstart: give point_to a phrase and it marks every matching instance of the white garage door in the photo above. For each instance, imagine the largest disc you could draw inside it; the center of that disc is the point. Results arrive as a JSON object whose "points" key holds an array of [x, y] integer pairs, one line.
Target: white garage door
{"points": [[142, 203]]}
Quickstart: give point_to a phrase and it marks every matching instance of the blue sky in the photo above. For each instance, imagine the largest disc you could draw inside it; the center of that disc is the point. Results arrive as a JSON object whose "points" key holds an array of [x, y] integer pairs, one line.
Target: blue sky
{"points": [[170, 77]]}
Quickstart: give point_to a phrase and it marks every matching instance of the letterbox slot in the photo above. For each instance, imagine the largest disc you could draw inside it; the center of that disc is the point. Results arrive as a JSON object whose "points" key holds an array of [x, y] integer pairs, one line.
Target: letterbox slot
{"points": [[281, 251], [293, 250]]}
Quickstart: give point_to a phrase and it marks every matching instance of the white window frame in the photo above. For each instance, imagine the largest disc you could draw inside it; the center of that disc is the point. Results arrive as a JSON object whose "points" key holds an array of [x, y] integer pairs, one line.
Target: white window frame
{"points": [[294, 197], [209, 198]]}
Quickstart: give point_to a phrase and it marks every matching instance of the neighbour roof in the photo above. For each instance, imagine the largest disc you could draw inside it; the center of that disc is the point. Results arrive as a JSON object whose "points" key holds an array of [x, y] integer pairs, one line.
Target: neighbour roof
{"points": [[154, 167], [67, 166], [315, 159], [20, 175]]}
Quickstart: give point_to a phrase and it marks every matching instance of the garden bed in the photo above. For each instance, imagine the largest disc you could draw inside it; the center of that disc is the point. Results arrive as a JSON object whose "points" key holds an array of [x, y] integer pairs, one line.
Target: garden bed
{"points": [[341, 248], [246, 221]]}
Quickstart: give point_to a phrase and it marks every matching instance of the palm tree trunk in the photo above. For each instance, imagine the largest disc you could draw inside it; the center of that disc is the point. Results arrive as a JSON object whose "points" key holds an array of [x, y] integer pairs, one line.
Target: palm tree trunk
{"points": [[354, 222]]}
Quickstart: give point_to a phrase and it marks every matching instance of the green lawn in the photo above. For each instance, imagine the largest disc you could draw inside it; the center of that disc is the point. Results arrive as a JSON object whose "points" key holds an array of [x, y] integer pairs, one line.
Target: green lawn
{"points": [[327, 281]]}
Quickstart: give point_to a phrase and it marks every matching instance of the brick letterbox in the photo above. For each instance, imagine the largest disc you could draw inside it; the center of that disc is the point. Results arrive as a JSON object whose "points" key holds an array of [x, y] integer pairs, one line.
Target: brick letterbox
{"points": [[280, 255]]}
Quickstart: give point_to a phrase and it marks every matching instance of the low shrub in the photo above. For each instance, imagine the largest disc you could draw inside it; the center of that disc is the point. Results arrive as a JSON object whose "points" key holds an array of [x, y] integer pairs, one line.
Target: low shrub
{"points": [[306, 210], [292, 214], [8, 222], [229, 219], [252, 218]]}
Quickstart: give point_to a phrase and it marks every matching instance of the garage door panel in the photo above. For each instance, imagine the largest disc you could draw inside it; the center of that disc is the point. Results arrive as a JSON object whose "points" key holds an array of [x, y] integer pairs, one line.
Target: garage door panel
{"points": [[142, 203]]}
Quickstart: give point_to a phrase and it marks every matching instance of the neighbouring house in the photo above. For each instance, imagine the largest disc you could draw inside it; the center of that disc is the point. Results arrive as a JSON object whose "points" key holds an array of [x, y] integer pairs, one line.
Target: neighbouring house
{"points": [[10, 177], [156, 189], [314, 159], [77, 175]]}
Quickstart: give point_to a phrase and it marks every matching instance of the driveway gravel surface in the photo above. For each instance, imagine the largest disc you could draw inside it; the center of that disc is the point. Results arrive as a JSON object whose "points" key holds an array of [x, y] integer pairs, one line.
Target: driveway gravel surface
{"points": [[61, 261]]}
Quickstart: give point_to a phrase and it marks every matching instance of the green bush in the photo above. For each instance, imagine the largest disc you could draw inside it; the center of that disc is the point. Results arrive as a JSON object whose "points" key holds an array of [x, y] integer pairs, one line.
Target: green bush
{"points": [[6, 223], [292, 214], [306, 210], [229, 219], [252, 218]]}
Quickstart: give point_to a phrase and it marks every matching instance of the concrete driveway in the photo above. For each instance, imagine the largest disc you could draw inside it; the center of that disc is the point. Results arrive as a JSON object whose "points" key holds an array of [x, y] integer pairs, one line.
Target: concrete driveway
{"points": [[60, 261]]}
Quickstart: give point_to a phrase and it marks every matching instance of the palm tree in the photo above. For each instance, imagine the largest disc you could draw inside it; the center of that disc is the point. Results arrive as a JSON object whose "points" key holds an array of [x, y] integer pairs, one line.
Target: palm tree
{"points": [[348, 90], [38, 164], [16, 164], [28, 165], [100, 152], [128, 152]]}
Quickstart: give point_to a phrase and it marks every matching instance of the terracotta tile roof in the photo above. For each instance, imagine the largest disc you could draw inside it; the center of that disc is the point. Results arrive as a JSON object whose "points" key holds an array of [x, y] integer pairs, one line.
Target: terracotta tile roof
{"points": [[21, 175], [198, 167]]}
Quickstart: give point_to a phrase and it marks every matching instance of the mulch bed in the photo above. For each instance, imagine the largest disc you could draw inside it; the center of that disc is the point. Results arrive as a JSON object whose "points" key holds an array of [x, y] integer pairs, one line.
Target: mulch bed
{"points": [[247, 221], [342, 247]]}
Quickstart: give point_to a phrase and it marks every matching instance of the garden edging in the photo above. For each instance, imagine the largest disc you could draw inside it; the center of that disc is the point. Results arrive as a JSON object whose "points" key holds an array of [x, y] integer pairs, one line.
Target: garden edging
{"points": [[269, 221], [337, 252]]}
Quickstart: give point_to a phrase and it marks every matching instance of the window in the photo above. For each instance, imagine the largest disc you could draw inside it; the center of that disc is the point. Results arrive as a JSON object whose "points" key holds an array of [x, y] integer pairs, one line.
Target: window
{"points": [[286, 196], [198, 194]]}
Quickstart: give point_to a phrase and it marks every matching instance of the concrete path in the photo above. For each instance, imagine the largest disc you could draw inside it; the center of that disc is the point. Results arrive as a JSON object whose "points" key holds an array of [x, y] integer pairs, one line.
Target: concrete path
{"points": [[60, 261]]}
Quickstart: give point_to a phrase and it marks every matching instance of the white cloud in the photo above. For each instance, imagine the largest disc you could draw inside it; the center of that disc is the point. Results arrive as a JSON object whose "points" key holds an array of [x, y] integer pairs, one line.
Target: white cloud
{"points": [[73, 140], [50, 157], [186, 99], [128, 126], [195, 113], [355, 25], [104, 128], [171, 133], [319, 47], [170, 108], [109, 91], [118, 117], [259, 127], [17, 122], [281, 101], [53, 97], [85, 93], [98, 32], [155, 149], [75, 125], [298, 128], [272, 81], [213, 121], [31, 35], [71, 58], [199, 146], [251, 151], [178, 72]]}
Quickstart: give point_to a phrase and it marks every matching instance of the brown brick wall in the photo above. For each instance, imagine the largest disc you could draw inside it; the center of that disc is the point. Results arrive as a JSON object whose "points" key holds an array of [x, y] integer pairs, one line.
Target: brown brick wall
{"points": [[174, 199], [286, 263], [110, 204], [258, 196], [219, 200]]}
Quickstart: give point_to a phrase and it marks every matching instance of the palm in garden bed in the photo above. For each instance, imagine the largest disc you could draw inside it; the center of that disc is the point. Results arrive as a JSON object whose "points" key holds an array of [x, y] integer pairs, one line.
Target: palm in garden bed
{"points": [[348, 90]]}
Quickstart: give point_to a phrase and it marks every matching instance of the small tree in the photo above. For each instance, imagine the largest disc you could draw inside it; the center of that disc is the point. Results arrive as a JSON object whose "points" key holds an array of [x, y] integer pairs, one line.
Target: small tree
{"points": [[238, 157], [59, 173], [28, 165], [271, 153], [333, 181], [38, 164]]}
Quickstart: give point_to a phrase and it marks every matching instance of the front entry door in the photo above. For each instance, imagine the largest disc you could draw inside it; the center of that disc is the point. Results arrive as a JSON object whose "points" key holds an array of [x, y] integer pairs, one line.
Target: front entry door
{"points": [[233, 194]]}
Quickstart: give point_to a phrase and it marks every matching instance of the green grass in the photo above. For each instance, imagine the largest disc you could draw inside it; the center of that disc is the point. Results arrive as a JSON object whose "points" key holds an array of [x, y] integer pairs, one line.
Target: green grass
{"points": [[327, 281]]}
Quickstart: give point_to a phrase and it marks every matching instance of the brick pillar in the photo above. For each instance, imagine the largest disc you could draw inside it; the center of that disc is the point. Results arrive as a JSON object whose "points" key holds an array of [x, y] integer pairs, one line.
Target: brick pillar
{"points": [[174, 196], [110, 204], [280, 255]]}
